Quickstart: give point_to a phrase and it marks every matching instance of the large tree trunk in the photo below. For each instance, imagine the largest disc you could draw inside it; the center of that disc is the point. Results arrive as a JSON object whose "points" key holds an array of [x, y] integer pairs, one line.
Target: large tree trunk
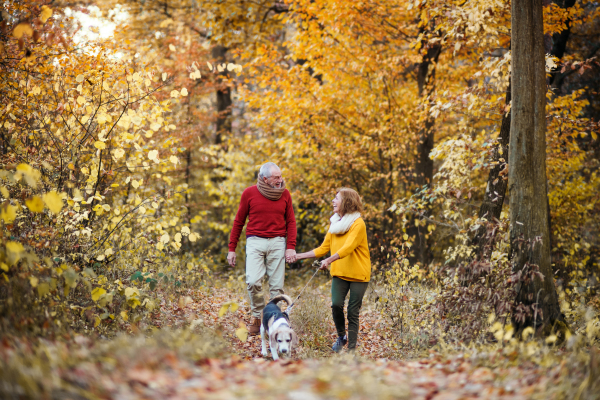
{"points": [[527, 168], [223, 98], [423, 163]]}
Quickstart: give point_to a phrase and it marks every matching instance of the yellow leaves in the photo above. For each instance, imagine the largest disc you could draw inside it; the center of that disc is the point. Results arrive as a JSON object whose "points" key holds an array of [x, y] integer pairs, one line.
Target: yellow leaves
{"points": [[13, 252], [35, 204], [4, 192], [153, 155], [124, 315], [22, 29], [164, 76], [174, 160], [80, 100], [33, 281], [172, 48], [165, 238], [45, 14], [231, 306], [100, 145], [184, 92], [8, 213], [118, 153], [43, 289], [174, 94], [30, 174], [133, 297], [79, 78], [53, 201], [192, 237], [242, 332], [594, 135], [526, 332], [97, 292], [210, 67]]}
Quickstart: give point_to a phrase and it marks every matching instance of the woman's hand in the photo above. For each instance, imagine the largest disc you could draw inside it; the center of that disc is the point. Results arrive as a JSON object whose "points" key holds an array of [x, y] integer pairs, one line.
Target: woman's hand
{"points": [[327, 262]]}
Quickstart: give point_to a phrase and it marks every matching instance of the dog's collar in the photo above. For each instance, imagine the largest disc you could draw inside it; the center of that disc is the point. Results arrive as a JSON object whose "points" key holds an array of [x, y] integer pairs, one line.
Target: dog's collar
{"points": [[278, 322]]}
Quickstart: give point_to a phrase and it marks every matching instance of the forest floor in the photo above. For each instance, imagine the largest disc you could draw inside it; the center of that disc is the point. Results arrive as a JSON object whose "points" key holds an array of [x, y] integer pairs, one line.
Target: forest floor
{"points": [[195, 353]]}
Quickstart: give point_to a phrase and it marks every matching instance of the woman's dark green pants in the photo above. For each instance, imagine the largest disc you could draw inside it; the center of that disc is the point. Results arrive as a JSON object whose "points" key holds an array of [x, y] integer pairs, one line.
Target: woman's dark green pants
{"points": [[339, 290]]}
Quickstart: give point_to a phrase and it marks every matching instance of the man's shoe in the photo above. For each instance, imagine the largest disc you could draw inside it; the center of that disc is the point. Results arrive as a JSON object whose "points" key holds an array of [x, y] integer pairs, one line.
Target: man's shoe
{"points": [[339, 344], [254, 327]]}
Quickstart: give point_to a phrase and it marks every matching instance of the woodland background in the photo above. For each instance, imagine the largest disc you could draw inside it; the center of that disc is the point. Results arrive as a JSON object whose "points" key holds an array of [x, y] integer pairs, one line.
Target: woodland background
{"points": [[123, 157]]}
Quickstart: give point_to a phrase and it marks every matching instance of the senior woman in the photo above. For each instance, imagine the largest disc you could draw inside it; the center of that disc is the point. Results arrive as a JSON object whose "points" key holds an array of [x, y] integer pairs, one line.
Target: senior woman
{"points": [[350, 264]]}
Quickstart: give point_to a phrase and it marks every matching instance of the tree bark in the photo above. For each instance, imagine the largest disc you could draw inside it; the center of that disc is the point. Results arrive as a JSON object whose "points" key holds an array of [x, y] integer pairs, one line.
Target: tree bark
{"points": [[423, 163], [495, 191], [527, 168], [224, 102]]}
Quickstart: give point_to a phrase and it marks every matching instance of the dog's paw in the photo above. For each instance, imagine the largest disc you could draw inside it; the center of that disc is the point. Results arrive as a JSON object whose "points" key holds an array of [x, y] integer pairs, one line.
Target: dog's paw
{"points": [[264, 353]]}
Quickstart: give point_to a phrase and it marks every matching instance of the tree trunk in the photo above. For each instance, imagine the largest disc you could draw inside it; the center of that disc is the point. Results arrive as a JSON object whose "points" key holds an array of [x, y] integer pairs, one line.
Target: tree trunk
{"points": [[527, 169], [559, 40], [495, 191], [223, 98], [424, 164]]}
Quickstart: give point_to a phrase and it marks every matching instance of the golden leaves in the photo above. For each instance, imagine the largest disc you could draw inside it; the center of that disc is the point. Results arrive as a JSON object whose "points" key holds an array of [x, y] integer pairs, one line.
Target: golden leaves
{"points": [[8, 213], [35, 204], [14, 250], [97, 292], [231, 306], [153, 155], [45, 14], [30, 174], [242, 332], [22, 29], [118, 153], [99, 145], [53, 201]]}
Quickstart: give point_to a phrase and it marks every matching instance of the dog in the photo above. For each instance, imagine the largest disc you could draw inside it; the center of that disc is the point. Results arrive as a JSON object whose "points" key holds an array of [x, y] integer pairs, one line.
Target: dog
{"points": [[276, 325]]}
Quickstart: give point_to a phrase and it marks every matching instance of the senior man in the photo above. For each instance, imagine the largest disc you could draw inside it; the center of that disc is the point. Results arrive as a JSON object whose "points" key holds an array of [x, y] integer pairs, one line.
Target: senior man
{"points": [[270, 237]]}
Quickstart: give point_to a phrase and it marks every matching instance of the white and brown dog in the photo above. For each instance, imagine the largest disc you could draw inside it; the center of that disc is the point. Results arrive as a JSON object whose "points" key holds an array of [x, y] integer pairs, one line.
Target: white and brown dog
{"points": [[276, 325]]}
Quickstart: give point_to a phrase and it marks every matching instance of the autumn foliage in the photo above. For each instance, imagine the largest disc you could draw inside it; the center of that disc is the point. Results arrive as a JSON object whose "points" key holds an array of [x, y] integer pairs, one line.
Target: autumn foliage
{"points": [[122, 159]]}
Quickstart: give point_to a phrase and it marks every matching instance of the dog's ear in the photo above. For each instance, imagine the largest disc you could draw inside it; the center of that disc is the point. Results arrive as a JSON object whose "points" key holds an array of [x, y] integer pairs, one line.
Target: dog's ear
{"points": [[294, 339], [273, 338]]}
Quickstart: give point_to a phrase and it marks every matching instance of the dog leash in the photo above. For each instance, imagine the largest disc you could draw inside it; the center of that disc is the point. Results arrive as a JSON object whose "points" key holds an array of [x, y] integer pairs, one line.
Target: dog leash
{"points": [[289, 309]]}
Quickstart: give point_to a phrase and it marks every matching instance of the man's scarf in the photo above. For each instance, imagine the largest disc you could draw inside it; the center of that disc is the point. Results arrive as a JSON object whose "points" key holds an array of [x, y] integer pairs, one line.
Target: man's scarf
{"points": [[269, 192]]}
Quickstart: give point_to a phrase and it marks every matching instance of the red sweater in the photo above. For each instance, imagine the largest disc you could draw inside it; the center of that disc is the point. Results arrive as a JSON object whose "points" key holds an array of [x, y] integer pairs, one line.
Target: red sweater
{"points": [[266, 218]]}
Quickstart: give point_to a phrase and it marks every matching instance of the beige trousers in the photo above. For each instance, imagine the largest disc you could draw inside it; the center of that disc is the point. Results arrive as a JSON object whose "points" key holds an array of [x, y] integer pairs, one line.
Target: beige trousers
{"points": [[264, 256]]}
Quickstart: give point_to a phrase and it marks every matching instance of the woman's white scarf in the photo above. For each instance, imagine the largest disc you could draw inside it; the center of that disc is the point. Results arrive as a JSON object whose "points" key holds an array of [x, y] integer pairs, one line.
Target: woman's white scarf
{"points": [[339, 226]]}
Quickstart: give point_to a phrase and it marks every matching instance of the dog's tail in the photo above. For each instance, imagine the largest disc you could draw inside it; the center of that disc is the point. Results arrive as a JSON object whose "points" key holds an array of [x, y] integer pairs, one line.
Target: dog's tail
{"points": [[281, 297]]}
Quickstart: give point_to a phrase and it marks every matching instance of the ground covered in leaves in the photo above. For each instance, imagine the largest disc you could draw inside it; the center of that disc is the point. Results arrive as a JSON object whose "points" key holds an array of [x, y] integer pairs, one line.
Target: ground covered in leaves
{"points": [[193, 352]]}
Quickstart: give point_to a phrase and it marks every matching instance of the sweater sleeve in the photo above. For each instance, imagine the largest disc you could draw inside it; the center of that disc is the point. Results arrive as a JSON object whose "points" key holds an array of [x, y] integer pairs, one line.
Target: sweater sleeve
{"points": [[239, 221], [290, 224], [324, 247], [356, 235]]}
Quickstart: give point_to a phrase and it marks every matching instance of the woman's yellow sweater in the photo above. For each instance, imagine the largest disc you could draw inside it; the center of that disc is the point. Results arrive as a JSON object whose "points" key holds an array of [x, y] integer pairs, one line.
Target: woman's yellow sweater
{"points": [[352, 247]]}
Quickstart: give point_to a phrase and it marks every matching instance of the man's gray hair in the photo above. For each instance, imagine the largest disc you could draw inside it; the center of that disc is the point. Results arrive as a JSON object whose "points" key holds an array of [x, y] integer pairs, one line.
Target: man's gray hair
{"points": [[265, 170]]}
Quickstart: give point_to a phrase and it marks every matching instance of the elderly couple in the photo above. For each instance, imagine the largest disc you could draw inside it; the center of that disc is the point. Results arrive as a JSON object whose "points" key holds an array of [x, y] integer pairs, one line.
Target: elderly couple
{"points": [[271, 240]]}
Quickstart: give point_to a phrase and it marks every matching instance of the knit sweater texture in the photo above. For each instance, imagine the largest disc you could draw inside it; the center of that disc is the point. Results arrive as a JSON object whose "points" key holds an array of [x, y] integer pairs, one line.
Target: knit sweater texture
{"points": [[266, 218], [352, 247]]}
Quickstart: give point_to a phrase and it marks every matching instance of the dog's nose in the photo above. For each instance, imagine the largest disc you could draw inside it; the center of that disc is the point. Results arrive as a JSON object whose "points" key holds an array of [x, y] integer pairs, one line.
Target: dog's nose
{"points": [[283, 350]]}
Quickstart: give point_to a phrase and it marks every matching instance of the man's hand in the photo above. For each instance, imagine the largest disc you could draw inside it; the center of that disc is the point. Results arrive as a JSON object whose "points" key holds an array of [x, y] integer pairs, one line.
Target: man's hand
{"points": [[231, 258], [290, 255]]}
